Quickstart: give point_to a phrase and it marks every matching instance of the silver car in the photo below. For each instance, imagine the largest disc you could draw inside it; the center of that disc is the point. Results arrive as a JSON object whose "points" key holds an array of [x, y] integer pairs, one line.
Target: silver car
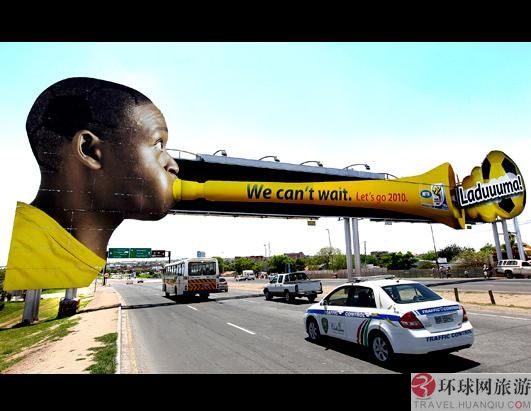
{"points": [[223, 285]]}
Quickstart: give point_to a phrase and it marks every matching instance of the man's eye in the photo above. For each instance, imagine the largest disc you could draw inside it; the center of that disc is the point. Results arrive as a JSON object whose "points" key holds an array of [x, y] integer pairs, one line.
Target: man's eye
{"points": [[160, 144]]}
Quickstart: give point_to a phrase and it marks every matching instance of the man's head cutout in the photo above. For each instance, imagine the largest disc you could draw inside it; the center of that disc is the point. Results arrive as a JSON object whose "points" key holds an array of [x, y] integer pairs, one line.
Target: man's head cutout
{"points": [[101, 146]]}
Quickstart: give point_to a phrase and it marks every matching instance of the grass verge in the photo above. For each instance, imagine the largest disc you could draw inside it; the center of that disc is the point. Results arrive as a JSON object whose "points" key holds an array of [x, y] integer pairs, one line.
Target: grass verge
{"points": [[105, 355], [53, 290], [15, 339]]}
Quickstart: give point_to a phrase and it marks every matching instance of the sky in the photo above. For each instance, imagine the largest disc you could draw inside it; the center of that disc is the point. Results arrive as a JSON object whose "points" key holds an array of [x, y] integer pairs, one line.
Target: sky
{"points": [[401, 108]]}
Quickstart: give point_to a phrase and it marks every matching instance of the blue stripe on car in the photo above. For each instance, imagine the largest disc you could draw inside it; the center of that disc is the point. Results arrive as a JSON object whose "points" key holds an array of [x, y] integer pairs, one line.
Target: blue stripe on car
{"points": [[355, 314]]}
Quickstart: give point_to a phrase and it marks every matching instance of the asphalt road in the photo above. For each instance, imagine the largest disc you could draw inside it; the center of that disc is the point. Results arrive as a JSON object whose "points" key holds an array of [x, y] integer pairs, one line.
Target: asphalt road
{"points": [[515, 285], [232, 333]]}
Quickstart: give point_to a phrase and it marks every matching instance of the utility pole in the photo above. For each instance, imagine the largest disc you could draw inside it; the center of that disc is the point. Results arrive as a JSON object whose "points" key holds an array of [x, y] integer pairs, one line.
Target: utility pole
{"points": [[434, 248], [329, 242], [348, 242], [356, 244], [365, 252]]}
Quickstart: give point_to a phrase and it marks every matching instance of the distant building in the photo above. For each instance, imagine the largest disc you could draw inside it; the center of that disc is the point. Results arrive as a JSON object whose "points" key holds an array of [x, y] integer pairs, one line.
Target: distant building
{"points": [[294, 256], [252, 257]]}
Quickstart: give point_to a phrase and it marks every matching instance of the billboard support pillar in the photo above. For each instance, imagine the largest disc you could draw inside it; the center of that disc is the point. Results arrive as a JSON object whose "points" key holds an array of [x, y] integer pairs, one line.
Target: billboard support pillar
{"points": [[70, 293], [348, 242], [356, 242], [519, 239], [508, 248], [497, 240], [31, 306]]}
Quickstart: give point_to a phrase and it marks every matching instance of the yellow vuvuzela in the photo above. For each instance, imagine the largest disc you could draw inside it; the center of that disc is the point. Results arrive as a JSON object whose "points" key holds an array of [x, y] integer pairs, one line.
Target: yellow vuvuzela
{"points": [[428, 195]]}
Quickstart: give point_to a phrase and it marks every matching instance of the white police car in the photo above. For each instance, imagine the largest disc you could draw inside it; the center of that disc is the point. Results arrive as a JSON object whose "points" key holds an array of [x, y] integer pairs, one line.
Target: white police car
{"points": [[390, 316]]}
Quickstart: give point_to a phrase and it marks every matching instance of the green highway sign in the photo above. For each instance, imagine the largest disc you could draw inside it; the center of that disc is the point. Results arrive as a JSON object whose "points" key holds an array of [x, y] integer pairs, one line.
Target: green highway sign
{"points": [[140, 253], [118, 253]]}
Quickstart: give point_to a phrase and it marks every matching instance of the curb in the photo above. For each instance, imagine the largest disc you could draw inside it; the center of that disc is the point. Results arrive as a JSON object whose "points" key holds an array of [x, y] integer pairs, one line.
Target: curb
{"points": [[121, 318], [472, 280], [119, 342]]}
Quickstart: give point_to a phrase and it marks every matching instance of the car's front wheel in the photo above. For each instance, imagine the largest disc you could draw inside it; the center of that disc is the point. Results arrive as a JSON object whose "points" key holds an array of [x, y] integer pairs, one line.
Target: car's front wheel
{"points": [[381, 349], [313, 330], [268, 295]]}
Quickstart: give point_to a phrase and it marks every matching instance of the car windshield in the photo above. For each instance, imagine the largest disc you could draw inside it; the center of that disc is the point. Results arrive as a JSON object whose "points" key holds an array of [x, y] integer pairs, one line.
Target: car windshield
{"points": [[410, 293]]}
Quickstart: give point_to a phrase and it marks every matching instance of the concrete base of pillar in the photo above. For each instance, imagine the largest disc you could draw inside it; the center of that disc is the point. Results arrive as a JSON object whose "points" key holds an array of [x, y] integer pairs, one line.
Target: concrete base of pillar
{"points": [[67, 308]]}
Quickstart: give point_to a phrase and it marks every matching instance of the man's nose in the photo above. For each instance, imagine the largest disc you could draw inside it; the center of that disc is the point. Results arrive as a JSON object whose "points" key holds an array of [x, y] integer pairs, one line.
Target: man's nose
{"points": [[171, 165]]}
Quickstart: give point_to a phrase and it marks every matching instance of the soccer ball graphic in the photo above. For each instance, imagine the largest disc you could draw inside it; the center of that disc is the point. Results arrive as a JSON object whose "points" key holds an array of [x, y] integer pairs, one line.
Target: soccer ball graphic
{"points": [[497, 164]]}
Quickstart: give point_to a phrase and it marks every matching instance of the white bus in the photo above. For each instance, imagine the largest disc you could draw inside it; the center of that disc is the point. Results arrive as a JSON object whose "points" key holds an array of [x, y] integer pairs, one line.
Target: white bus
{"points": [[190, 277]]}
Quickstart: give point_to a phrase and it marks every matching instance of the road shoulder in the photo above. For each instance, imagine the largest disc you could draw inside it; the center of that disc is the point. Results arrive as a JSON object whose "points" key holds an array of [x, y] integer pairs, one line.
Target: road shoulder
{"points": [[71, 354]]}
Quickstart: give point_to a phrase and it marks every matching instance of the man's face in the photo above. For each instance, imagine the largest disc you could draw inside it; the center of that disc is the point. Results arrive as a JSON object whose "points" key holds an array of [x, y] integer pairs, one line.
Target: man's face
{"points": [[141, 170]]}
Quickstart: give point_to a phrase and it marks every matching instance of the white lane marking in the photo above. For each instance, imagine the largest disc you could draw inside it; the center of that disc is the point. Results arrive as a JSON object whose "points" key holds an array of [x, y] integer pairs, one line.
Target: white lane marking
{"points": [[193, 308], [502, 316], [240, 328]]}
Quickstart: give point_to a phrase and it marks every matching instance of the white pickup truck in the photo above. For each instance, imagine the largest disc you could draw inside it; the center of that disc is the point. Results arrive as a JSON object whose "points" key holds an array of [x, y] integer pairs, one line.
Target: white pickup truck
{"points": [[293, 285], [514, 268]]}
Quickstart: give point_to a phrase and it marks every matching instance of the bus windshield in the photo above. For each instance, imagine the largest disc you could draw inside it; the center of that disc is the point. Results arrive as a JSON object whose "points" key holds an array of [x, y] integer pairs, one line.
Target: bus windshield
{"points": [[202, 268]]}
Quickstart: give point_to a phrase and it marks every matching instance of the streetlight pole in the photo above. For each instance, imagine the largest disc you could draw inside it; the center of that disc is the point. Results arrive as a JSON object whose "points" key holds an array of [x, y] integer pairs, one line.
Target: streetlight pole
{"points": [[365, 253], [348, 243], [329, 242]]}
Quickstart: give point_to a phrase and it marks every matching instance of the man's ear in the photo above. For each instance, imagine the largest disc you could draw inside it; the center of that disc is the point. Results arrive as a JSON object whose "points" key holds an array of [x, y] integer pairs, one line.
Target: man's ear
{"points": [[87, 149]]}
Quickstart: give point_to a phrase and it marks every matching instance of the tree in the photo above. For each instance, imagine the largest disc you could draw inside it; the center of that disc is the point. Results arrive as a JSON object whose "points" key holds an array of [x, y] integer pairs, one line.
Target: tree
{"points": [[299, 264], [430, 255], [279, 264], [398, 261], [368, 259], [470, 258], [326, 254], [451, 251], [488, 248], [221, 264], [244, 264], [338, 262]]}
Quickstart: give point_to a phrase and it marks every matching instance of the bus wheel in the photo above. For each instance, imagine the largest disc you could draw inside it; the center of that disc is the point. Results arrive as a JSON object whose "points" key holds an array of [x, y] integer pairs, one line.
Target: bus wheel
{"points": [[165, 291]]}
